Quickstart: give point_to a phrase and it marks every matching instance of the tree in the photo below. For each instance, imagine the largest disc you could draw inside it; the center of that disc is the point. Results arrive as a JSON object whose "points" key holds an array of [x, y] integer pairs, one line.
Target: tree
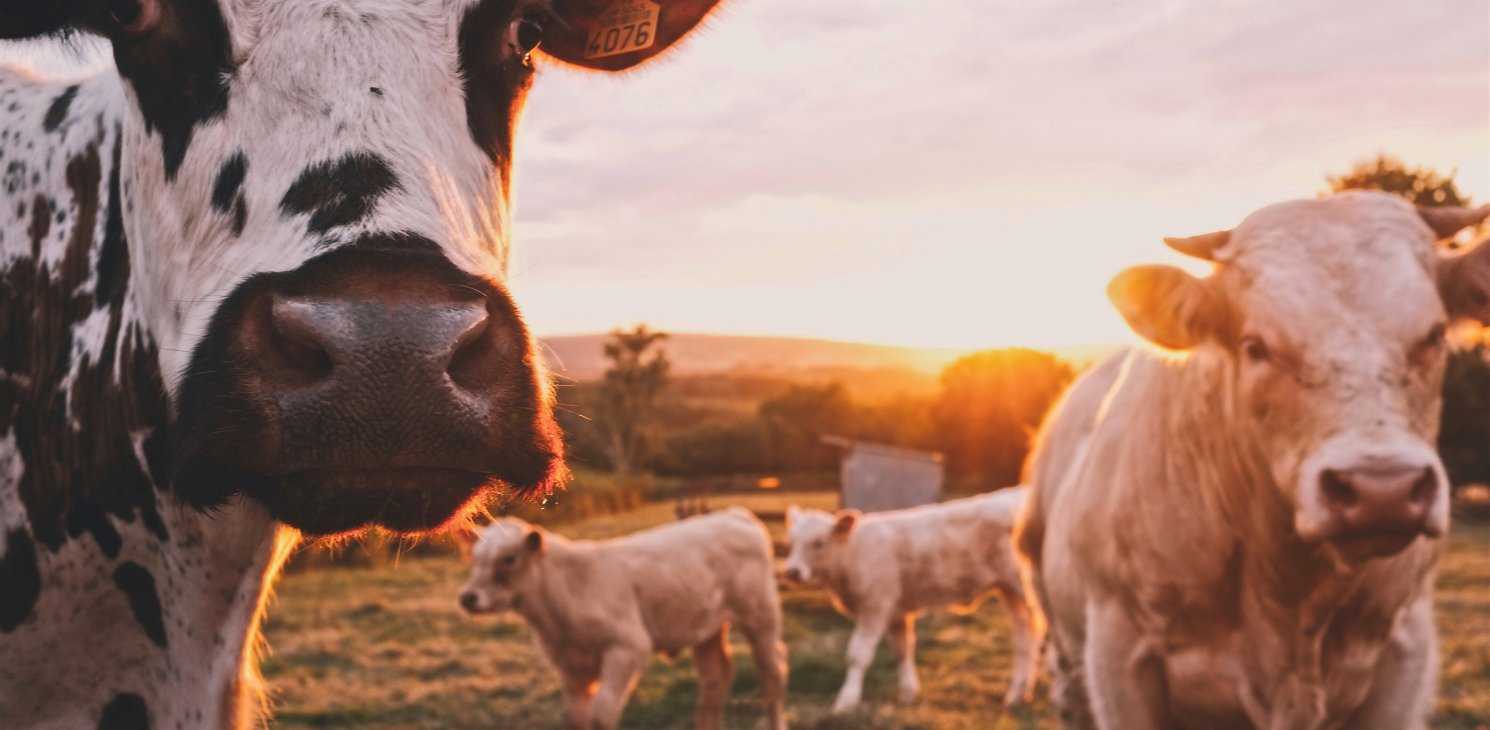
{"points": [[798, 418], [626, 401], [1420, 185], [991, 402]]}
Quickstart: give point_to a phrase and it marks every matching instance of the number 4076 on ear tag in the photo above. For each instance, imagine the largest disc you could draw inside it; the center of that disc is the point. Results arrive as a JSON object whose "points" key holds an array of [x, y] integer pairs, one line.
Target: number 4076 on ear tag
{"points": [[629, 26]]}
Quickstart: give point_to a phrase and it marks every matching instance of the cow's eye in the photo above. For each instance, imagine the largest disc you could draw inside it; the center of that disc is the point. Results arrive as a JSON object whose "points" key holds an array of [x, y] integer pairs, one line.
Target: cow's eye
{"points": [[1255, 349], [524, 35], [819, 543], [508, 561], [134, 16]]}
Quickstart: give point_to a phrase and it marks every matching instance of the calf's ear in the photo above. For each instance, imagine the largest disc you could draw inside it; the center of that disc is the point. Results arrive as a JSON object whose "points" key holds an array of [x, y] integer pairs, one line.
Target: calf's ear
{"points": [[844, 522], [534, 541], [611, 35], [1464, 282], [1167, 306], [791, 515]]}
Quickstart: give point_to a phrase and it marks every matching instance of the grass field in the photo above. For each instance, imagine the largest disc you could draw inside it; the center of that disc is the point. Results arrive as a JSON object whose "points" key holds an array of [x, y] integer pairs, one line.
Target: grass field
{"points": [[388, 648]]}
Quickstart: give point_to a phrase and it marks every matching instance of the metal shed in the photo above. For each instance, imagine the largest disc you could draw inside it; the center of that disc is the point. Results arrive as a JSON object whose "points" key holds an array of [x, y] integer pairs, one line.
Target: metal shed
{"points": [[876, 477]]}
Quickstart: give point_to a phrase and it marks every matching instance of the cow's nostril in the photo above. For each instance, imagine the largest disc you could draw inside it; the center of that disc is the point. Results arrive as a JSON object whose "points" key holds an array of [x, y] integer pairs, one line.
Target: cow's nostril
{"points": [[469, 356], [468, 601], [297, 337], [1425, 488], [1337, 489]]}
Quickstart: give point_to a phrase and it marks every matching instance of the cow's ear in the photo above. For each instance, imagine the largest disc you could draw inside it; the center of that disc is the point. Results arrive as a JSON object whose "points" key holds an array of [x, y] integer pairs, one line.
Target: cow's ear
{"points": [[844, 522], [1464, 282], [792, 515], [1167, 306], [611, 35], [1448, 220], [533, 541]]}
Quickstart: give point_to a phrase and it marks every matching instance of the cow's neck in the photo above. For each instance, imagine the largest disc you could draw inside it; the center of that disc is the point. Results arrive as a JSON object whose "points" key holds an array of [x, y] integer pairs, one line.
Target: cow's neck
{"points": [[116, 599], [1300, 592]]}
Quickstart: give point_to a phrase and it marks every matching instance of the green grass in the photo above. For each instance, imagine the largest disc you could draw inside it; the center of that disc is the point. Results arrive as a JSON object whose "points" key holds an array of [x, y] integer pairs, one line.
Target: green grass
{"points": [[388, 648]]}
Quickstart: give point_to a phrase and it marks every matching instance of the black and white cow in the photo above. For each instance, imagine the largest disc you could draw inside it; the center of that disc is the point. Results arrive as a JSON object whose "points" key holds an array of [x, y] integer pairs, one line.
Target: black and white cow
{"points": [[251, 287]]}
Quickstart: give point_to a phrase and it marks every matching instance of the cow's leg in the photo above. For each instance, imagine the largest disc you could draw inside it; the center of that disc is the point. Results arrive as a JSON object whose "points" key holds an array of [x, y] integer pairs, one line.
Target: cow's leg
{"points": [[861, 645], [1027, 636], [619, 670], [1124, 671], [578, 693], [1406, 675], [903, 642], [715, 672], [763, 632]]}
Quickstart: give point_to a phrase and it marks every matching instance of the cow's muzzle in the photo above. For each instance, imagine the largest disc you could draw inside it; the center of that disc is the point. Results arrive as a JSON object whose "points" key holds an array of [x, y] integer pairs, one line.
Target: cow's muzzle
{"points": [[1375, 505], [379, 386]]}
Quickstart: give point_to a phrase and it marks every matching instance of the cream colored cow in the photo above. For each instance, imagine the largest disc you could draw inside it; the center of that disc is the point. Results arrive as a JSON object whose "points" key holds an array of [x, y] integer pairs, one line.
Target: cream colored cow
{"points": [[602, 609], [884, 568], [1242, 533]]}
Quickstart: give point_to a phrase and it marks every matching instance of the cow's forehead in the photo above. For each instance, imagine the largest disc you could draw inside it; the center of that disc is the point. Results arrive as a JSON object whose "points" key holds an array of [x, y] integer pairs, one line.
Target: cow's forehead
{"points": [[499, 537], [1367, 257], [809, 522]]}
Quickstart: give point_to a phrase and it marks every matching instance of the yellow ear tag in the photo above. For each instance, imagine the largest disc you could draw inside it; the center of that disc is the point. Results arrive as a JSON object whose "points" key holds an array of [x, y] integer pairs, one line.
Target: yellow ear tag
{"points": [[630, 25]]}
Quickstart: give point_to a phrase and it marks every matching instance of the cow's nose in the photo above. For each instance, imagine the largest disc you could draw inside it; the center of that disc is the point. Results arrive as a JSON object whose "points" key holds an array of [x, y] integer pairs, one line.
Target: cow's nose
{"points": [[321, 339], [794, 575], [1380, 499], [468, 601]]}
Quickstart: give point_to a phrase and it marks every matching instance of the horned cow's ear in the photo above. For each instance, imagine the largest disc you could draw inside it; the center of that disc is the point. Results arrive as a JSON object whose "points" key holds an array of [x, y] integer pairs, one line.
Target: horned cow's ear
{"points": [[1167, 306], [533, 541], [1464, 282], [611, 35], [1447, 220]]}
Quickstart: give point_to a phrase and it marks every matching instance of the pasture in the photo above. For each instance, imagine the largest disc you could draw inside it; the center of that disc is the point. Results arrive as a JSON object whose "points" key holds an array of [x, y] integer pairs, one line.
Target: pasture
{"points": [[387, 647]]}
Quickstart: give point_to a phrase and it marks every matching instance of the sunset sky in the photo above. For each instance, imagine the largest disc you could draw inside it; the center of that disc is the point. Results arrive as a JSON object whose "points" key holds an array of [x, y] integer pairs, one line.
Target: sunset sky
{"points": [[963, 173]]}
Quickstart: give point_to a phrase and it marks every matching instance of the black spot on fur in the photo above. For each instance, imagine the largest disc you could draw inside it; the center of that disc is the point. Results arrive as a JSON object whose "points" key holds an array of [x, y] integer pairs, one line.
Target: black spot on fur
{"points": [[127, 711], [113, 254], [240, 215], [139, 589], [20, 580], [86, 516], [339, 192], [57, 112], [375, 91], [75, 478], [179, 75], [229, 181], [41, 223]]}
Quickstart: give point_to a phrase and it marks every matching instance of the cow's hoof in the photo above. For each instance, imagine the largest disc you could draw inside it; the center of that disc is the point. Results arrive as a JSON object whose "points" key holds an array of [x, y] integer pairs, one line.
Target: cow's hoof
{"points": [[908, 695], [843, 707]]}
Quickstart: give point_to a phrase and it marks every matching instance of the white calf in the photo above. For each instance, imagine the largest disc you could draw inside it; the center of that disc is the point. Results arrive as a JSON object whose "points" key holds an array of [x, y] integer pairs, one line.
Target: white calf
{"points": [[601, 609], [884, 568]]}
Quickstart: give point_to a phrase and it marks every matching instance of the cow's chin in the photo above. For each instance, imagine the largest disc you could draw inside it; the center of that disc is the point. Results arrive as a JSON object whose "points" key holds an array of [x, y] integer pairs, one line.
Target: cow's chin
{"points": [[1363, 547], [322, 502]]}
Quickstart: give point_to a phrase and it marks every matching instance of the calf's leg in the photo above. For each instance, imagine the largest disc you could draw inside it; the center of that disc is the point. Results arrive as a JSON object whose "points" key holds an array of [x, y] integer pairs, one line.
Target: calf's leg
{"points": [[715, 672], [861, 646], [763, 632], [903, 642], [1027, 637], [619, 670]]}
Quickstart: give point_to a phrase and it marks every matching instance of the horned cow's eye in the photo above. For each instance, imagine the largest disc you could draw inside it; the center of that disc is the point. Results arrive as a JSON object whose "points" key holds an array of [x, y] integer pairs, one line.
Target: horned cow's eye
{"points": [[1255, 349]]}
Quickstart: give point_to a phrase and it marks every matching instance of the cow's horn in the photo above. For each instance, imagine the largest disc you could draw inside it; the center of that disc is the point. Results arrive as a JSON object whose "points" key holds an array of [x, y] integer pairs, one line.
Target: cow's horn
{"points": [[1203, 246], [1446, 220]]}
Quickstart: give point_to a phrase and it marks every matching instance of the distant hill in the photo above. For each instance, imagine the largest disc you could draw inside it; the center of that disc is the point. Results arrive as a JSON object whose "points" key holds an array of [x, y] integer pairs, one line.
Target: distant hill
{"points": [[580, 356]]}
